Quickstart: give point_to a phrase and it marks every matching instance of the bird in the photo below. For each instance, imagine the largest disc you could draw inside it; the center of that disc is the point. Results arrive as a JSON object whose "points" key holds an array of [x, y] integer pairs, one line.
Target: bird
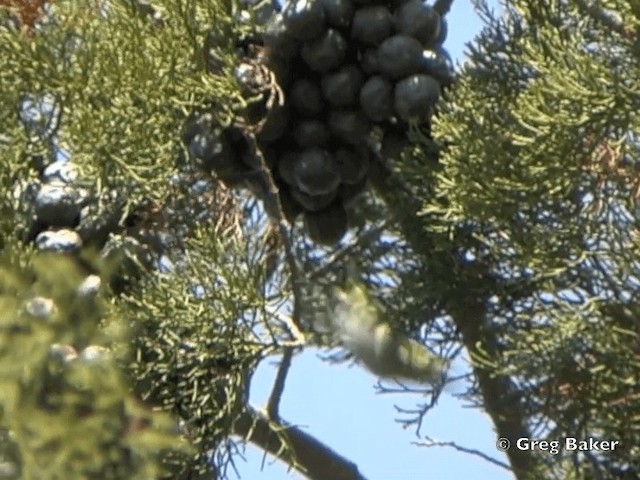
{"points": [[356, 322]]}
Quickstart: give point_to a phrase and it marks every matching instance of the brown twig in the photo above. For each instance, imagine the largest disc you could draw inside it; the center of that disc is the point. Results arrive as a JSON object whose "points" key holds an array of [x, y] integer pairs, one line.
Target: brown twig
{"points": [[272, 198], [270, 195]]}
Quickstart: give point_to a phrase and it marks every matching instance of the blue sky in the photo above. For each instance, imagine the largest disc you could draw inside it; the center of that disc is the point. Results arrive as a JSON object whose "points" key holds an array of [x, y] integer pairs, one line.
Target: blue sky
{"points": [[338, 404]]}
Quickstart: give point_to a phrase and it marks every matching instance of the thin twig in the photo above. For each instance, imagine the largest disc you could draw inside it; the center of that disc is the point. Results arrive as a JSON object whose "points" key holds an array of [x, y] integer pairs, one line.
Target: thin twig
{"points": [[273, 404], [347, 250], [273, 199], [298, 337], [471, 451]]}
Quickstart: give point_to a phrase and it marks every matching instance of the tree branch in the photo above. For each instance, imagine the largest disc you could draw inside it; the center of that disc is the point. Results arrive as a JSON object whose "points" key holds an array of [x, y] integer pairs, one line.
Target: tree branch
{"points": [[468, 310], [501, 400], [270, 196], [278, 385], [310, 457], [472, 451]]}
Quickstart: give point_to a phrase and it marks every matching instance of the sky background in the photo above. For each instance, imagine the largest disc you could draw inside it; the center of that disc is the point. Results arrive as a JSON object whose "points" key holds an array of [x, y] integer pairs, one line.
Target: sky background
{"points": [[339, 406]]}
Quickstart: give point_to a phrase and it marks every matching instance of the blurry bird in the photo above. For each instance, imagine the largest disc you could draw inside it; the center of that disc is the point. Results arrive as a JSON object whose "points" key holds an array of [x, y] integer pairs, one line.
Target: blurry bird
{"points": [[355, 321]]}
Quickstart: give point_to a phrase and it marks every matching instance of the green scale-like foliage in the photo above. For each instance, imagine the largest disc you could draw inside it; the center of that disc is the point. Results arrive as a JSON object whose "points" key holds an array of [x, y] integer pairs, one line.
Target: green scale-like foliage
{"points": [[123, 86], [177, 368], [64, 412], [176, 353], [196, 343], [547, 97], [525, 240], [525, 122]]}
